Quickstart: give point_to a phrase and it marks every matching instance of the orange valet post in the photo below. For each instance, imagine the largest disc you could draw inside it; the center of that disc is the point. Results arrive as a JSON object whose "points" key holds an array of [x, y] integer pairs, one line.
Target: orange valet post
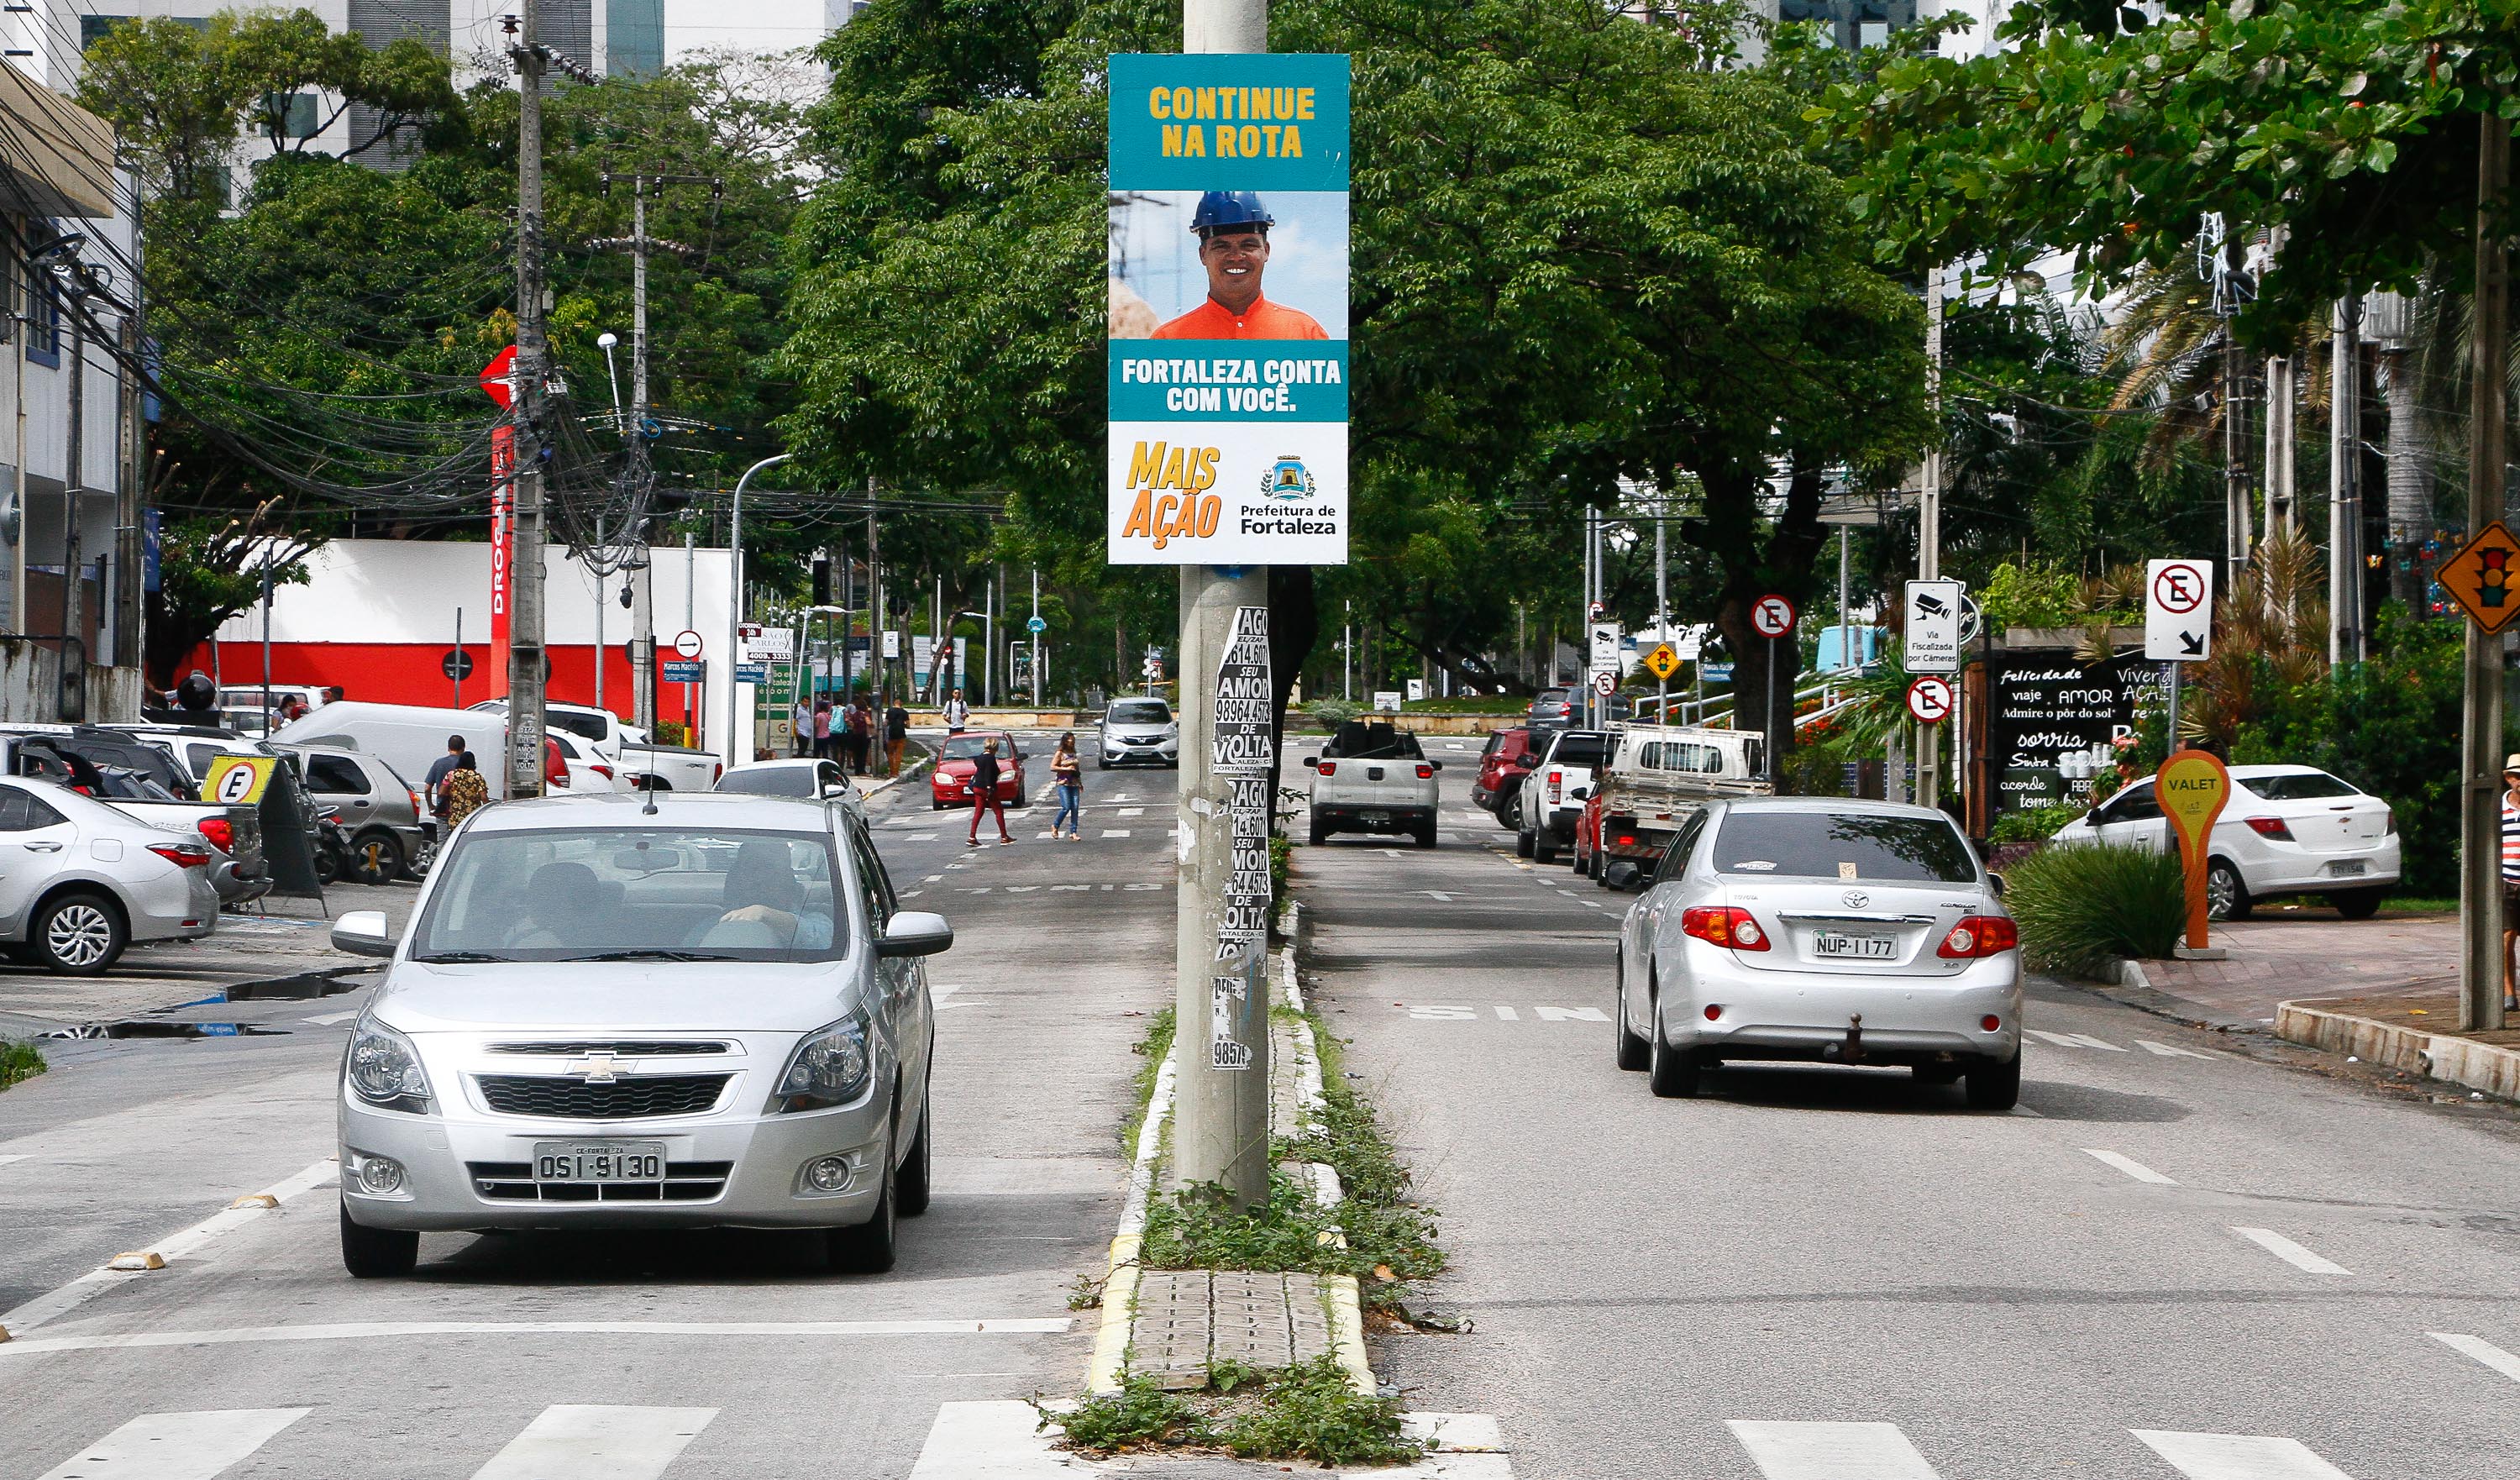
{"points": [[2194, 789]]}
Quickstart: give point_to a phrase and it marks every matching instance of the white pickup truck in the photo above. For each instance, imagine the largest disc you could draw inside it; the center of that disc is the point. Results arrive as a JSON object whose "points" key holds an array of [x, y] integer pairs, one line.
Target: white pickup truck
{"points": [[626, 748], [1655, 778]]}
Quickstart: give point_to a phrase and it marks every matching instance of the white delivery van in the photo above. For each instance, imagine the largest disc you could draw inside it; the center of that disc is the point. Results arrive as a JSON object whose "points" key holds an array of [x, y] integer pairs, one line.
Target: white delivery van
{"points": [[410, 738]]}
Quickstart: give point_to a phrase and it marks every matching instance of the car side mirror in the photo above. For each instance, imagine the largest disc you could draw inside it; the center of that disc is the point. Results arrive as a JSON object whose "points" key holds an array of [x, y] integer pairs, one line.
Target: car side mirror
{"points": [[362, 933], [1621, 873], [913, 932], [1581, 793], [1310, 763], [1435, 765]]}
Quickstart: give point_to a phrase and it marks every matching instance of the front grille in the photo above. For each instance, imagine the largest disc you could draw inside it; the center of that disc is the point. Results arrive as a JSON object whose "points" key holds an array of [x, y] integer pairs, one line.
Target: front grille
{"points": [[684, 1181], [618, 1048], [631, 1097]]}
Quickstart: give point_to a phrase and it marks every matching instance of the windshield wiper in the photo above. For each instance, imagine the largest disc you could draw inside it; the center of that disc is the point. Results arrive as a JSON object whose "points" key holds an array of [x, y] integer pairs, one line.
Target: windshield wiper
{"points": [[460, 956], [658, 956]]}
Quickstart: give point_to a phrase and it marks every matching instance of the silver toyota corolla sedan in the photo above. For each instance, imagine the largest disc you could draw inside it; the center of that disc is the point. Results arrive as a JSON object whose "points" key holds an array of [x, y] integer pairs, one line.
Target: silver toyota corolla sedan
{"points": [[640, 1011], [1826, 930]]}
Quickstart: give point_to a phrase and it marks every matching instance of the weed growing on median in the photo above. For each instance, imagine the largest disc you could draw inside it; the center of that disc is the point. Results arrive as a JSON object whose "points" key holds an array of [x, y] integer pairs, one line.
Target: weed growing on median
{"points": [[19, 1061], [1300, 1413], [1141, 1415], [1151, 1052]]}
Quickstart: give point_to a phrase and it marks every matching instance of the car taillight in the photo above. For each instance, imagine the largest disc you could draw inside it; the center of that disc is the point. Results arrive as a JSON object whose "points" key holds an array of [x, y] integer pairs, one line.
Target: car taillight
{"points": [[1626, 840], [416, 808], [2388, 822], [717, 770], [1724, 925], [221, 833], [1555, 777], [2271, 827], [602, 770], [1329, 768], [555, 774], [183, 855], [1979, 935], [1426, 773]]}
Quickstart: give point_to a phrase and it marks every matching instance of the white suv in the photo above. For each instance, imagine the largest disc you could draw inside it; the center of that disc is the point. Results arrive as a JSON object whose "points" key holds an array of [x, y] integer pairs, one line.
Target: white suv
{"points": [[1136, 730], [2288, 829]]}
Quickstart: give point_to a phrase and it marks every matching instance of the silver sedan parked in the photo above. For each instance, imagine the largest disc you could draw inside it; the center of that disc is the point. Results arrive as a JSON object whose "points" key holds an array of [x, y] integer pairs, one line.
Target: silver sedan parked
{"points": [[80, 880], [641, 1010], [1824, 931]]}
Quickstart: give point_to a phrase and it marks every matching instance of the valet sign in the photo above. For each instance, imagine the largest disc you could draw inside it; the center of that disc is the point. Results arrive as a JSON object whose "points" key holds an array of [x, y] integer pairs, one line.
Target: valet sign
{"points": [[1228, 365]]}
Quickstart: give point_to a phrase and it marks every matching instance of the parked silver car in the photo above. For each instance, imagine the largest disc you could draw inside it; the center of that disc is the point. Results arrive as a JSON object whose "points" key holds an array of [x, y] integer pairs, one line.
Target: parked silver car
{"points": [[382, 812], [80, 880], [1820, 929], [643, 1009]]}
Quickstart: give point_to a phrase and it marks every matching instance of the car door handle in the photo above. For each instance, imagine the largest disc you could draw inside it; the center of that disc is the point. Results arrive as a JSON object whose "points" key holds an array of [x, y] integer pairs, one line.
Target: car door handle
{"points": [[362, 803], [43, 847]]}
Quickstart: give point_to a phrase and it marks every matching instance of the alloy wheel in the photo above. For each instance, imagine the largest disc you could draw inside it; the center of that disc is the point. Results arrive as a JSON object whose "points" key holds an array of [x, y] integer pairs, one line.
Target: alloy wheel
{"points": [[78, 935]]}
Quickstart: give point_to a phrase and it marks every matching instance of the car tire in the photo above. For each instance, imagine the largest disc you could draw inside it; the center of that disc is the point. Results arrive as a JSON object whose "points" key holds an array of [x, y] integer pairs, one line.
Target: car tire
{"points": [[1103, 763], [1996, 1086], [1938, 1073], [1522, 844], [422, 858], [2357, 903], [914, 1183], [1426, 835], [1320, 832], [935, 805], [78, 934], [1632, 1048], [1543, 851], [1509, 812], [2226, 896], [375, 857], [377, 1253], [870, 1247], [1672, 1073]]}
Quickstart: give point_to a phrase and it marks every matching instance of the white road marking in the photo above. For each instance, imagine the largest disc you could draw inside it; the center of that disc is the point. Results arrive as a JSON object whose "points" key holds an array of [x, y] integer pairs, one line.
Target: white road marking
{"points": [[1115, 832], [1507, 1013], [989, 1441], [5, 1160], [2238, 1457], [177, 1446], [171, 1248], [1831, 1451], [2290, 1252], [1437, 895], [332, 1019], [1129, 812], [2483, 1351], [2133, 1168], [1391, 853], [1572, 1014], [911, 893], [1442, 1012], [2074, 1039], [569, 1440], [933, 879], [921, 837], [365, 1331], [2168, 1050]]}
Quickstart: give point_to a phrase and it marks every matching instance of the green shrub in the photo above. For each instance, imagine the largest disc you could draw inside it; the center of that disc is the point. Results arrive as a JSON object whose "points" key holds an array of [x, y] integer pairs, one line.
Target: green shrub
{"points": [[1330, 713], [2031, 824], [1310, 1413], [2080, 905], [1140, 1415], [19, 1061]]}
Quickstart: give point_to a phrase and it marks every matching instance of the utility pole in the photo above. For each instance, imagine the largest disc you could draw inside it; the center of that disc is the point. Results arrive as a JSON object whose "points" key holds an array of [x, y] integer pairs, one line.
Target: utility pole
{"points": [[642, 595], [534, 374], [1929, 519], [2279, 500], [2236, 534], [1036, 637], [2345, 483], [1662, 601], [1221, 1129], [73, 689], [2480, 903]]}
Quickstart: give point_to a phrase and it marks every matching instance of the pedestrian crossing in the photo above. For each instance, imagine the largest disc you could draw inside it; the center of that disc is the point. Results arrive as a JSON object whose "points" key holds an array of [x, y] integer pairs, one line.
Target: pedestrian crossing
{"points": [[1003, 1441], [2092, 1041]]}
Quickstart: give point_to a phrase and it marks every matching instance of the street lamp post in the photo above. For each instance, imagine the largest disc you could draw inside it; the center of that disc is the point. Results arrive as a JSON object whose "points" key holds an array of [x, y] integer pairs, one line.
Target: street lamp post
{"points": [[734, 604]]}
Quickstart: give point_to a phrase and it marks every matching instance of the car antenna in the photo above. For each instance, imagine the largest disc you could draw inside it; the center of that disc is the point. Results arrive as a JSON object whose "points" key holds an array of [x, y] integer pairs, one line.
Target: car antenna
{"points": [[649, 808]]}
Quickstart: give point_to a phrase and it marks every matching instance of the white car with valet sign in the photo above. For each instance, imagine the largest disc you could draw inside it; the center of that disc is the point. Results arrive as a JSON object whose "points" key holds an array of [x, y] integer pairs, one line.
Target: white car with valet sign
{"points": [[641, 1010], [2286, 829]]}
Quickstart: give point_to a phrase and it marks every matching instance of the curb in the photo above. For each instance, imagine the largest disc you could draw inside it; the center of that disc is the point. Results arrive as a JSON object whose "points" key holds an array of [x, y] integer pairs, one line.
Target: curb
{"points": [[2462, 1061], [1110, 1359]]}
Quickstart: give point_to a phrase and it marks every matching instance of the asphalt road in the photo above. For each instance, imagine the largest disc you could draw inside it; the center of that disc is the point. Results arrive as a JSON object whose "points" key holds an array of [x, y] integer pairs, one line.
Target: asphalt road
{"points": [[722, 1355], [2179, 1257]]}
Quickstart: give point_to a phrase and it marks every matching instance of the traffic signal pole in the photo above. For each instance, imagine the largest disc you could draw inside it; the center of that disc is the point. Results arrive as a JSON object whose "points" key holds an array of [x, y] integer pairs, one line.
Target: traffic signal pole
{"points": [[1221, 1007], [2480, 904]]}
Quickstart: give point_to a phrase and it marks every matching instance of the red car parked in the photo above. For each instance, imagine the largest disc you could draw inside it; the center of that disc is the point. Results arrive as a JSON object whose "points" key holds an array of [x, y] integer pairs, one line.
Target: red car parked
{"points": [[1509, 758], [951, 786]]}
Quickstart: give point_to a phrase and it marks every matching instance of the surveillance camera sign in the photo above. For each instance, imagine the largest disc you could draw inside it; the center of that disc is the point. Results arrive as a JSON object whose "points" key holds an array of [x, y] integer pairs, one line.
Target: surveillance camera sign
{"points": [[1933, 627], [1228, 359]]}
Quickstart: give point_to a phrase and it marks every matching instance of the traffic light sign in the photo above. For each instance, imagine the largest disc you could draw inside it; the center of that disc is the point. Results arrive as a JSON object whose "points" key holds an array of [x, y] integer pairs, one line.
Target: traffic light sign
{"points": [[2483, 578]]}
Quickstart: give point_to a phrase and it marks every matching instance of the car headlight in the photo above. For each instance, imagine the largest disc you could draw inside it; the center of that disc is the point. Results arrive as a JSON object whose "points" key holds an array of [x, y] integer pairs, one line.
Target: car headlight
{"points": [[831, 1067], [383, 1070]]}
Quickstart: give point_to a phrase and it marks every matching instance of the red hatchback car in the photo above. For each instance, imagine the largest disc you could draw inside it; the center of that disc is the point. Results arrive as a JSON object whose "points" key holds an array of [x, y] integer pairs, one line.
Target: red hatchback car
{"points": [[951, 785], [1499, 774]]}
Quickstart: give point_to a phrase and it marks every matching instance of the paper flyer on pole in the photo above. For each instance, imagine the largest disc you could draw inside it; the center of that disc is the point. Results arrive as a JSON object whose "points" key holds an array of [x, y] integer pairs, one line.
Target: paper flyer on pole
{"points": [[1228, 362]]}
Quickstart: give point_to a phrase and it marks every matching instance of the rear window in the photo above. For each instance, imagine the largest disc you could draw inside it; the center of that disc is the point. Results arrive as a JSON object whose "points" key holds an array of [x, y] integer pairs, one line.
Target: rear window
{"points": [[1141, 711], [583, 726], [2299, 788], [1851, 845], [1580, 750], [1356, 742], [1680, 755], [774, 781]]}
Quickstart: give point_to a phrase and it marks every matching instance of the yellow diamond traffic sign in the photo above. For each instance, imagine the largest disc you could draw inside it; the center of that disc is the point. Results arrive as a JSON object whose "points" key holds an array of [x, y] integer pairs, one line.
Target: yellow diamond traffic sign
{"points": [[2483, 578], [1663, 661]]}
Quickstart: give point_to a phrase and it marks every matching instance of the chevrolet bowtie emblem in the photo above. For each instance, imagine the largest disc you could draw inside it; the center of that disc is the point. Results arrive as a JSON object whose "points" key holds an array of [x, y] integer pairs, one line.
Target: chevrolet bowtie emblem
{"points": [[598, 1068]]}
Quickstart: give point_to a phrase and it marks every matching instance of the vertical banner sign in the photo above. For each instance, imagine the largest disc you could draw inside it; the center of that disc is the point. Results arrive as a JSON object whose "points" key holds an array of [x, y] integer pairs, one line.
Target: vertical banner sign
{"points": [[2194, 789], [503, 549], [1240, 757], [1229, 301]]}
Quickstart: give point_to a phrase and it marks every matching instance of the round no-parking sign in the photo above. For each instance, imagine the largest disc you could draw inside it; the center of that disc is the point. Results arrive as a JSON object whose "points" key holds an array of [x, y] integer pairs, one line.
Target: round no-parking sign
{"points": [[1930, 699], [1771, 616]]}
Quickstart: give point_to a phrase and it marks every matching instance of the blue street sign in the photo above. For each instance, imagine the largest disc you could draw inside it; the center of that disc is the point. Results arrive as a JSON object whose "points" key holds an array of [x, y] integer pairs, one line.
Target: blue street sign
{"points": [[683, 670], [1036, 625], [1716, 673], [753, 673]]}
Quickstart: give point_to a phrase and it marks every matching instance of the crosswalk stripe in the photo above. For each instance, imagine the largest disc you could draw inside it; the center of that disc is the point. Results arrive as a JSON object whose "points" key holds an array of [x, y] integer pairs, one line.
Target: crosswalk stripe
{"points": [[988, 1441], [177, 1446], [2238, 1457], [2290, 1252], [2133, 1168], [2168, 1050], [1115, 832], [2073, 1039], [591, 1441], [2483, 1351], [921, 837], [1831, 1451]]}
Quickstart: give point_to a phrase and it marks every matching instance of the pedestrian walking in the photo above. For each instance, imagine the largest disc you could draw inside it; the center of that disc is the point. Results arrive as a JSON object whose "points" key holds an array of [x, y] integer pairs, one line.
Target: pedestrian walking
{"points": [[467, 792], [822, 729], [984, 793], [861, 735], [2510, 875], [801, 722], [439, 770], [957, 714], [1068, 784], [896, 733]]}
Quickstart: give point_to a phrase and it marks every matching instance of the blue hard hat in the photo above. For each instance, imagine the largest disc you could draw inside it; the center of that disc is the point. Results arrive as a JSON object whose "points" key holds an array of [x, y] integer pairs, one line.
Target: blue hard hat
{"points": [[1225, 208]]}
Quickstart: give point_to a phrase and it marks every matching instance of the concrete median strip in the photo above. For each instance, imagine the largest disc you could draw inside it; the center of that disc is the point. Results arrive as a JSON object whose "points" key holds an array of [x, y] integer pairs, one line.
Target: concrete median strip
{"points": [[2462, 1061]]}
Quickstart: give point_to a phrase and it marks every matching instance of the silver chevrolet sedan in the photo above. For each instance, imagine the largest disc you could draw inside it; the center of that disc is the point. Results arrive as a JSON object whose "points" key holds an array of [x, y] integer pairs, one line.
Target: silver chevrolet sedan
{"points": [[641, 1010], [1825, 930]]}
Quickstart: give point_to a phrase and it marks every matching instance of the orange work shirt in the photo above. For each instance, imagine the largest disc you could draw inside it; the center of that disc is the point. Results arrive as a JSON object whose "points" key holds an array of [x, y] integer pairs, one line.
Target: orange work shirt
{"points": [[1212, 320]]}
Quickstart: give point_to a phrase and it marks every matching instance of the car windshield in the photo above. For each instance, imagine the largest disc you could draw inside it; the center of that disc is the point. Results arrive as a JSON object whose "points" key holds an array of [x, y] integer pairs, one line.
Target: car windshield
{"points": [[1141, 711], [1849, 845], [2300, 786], [626, 894], [967, 747], [1363, 741], [770, 781]]}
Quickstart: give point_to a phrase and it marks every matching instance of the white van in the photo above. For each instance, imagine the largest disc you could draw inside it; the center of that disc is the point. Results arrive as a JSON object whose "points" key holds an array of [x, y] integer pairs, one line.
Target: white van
{"points": [[410, 738]]}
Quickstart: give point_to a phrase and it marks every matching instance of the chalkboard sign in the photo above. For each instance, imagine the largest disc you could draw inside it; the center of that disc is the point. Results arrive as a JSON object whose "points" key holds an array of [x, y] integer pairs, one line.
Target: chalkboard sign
{"points": [[2044, 702]]}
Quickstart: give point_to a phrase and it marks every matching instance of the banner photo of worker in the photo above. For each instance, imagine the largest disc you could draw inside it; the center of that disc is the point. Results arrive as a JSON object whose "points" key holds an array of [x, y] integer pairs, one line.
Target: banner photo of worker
{"points": [[1229, 310]]}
